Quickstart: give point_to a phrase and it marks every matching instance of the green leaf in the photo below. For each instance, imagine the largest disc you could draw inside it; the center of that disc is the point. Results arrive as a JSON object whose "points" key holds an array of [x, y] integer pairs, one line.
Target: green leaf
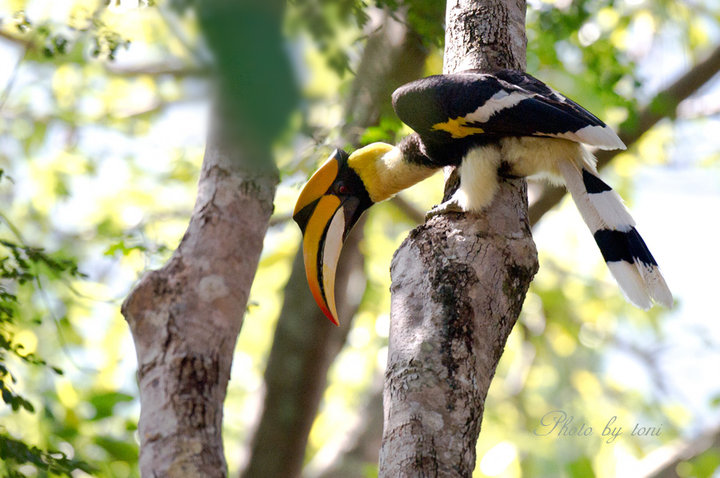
{"points": [[123, 248], [118, 449], [706, 464], [13, 451], [104, 403], [581, 468]]}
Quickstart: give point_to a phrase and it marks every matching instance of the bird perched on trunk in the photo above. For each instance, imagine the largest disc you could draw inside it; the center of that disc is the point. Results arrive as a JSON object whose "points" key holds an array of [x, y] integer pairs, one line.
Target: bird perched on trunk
{"points": [[490, 125]]}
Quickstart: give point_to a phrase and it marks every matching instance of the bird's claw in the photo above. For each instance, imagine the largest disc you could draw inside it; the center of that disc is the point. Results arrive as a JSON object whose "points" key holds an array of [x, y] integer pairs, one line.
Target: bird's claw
{"points": [[451, 205]]}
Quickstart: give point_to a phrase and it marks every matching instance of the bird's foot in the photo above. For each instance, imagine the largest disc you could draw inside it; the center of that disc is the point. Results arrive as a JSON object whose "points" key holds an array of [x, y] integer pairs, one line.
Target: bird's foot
{"points": [[451, 205]]}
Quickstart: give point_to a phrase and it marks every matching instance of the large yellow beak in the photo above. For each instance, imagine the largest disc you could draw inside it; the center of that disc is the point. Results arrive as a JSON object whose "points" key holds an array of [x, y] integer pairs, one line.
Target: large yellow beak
{"points": [[329, 205]]}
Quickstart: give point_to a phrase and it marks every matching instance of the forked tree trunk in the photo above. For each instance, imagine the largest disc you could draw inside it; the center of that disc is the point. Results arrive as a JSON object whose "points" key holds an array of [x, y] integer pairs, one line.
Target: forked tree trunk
{"points": [[458, 284]]}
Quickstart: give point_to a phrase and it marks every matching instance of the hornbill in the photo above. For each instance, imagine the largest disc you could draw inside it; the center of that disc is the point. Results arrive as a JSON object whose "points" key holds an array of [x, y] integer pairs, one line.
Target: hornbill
{"points": [[490, 125]]}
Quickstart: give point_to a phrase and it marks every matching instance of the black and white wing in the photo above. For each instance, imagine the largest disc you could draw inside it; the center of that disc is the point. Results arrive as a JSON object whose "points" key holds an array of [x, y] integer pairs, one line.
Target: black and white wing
{"points": [[473, 105]]}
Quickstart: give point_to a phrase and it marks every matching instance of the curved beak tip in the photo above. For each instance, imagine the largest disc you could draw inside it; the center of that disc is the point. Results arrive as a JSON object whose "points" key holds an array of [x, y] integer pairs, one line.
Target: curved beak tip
{"points": [[334, 320], [321, 218]]}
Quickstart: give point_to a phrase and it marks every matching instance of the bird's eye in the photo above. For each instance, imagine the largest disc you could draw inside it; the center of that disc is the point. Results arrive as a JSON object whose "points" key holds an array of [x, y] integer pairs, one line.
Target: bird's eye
{"points": [[342, 189]]}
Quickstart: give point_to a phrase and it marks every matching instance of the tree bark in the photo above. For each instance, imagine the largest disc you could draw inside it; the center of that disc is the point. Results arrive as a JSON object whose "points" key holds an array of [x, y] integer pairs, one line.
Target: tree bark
{"points": [[458, 284], [185, 317]]}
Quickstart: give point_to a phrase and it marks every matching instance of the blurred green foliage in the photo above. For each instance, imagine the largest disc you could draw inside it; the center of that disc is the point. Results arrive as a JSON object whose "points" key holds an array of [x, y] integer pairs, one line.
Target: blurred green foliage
{"points": [[251, 59], [25, 267], [102, 133]]}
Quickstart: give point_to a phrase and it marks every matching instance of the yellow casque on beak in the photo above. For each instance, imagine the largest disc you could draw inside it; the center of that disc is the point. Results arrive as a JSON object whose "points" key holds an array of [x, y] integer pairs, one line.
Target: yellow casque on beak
{"points": [[327, 208], [318, 184]]}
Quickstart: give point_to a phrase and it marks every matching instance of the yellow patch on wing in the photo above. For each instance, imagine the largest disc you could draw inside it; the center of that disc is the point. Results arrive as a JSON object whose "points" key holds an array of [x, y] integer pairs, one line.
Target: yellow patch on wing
{"points": [[458, 127]]}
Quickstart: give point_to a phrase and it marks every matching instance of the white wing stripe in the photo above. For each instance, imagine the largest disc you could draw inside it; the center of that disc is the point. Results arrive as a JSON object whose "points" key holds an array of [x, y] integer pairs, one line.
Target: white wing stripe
{"points": [[499, 101]]}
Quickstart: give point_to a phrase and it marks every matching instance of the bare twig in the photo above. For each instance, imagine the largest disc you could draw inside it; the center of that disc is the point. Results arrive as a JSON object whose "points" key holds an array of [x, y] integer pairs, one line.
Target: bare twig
{"points": [[663, 463], [158, 69], [11, 80]]}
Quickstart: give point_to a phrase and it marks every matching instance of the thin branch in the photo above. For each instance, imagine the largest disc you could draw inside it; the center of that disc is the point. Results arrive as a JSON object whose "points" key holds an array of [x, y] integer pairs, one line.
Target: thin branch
{"points": [[178, 70], [304, 346], [406, 207], [662, 105], [359, 450], [11, 80], [200, 55], [27, 44], [663, 463]]}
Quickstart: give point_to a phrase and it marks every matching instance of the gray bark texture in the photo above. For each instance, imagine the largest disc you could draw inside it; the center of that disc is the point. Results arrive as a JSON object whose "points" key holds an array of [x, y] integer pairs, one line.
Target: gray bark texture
{"points": [[458, 284], [185, 317]]}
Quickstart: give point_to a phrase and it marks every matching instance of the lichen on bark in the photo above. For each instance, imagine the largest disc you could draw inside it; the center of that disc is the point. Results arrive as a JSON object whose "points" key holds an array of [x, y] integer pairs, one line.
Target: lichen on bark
{"points": [[458, 284]]}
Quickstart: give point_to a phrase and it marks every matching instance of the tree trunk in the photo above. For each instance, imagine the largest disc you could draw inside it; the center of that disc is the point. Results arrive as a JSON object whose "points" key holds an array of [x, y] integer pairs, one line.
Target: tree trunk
{"points": [[458, 284], [185, 317]]}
